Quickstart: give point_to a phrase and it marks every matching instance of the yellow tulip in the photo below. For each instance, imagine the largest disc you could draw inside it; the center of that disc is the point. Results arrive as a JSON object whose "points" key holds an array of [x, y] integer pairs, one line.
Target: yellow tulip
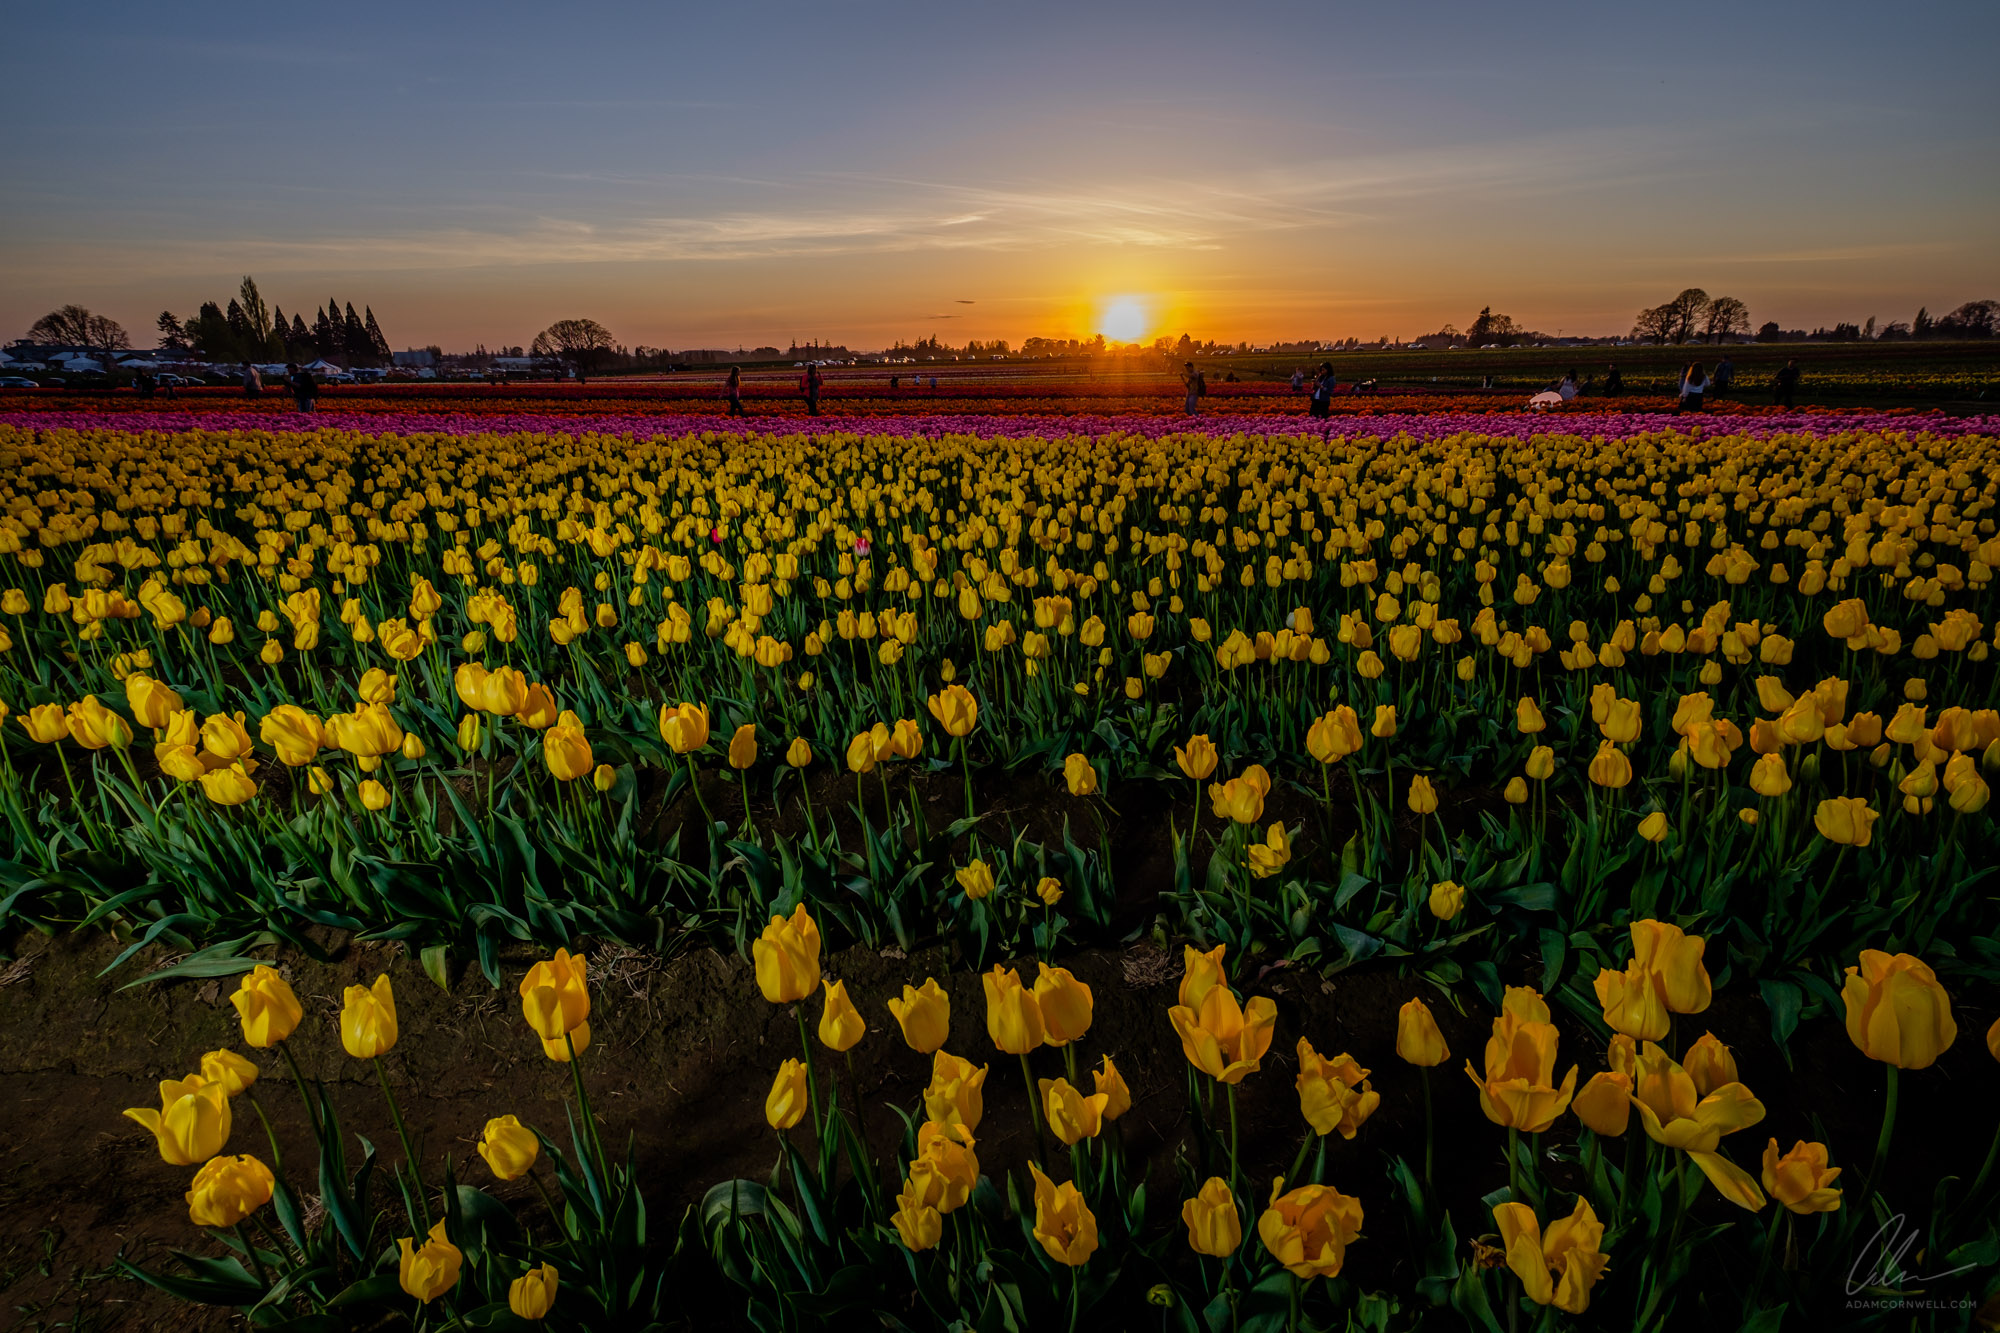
{"points": [[1118, 1097], [975, 879], [861, 753], [151, 702], [1528, 718], [1604, 1104], [1653, 828], [955, 1099], [430, 1271], [230, 1070], [45, 723], [531, 1295], [1559, 1268], [1064, 1223], [1270, 856], [955, 709], [787, 957], [1013, 1016], [1213, 1226], [227, 1190], [1801, 1180], [918, 1225], [1334, 736], [743, 746], [538, 708], [1675, 1114], [1633, 1002], [95, 727], [267, 1007], [1222, 1039], [841, 1026], [1333, 1094], [788, 1099], [1309, 1229], [1896, 1010], [1423, 797], [1065, 1003], [368, 1019], [568, 1046], [228, 786], [1609, 767], [1447, 899], [1518, 1089], [924, 1015], [1082, 778], [1072, 1117], [1675, 957], [192, 1123], [1418, 1041], [1238, 799], [555, 995], [1384, 725], [509, 1147], [374, 796], [566, 750], [1709, 1063], [799, 754], [1847, 820], [1541, 763], [1049, 889], [1198, 760], [1201, 973], [684, 727]]}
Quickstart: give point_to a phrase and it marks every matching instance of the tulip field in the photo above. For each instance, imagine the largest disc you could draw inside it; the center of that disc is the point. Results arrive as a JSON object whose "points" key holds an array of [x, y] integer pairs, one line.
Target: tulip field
{"points": [[958, 869]]}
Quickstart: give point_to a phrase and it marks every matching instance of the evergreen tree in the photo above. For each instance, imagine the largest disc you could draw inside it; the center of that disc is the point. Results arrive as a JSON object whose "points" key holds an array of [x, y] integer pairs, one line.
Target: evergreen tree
{"points": [[281, 332], [239, 328], [256, 314], [379, 343], [300, 337], [354, 338], [323, 338], [1920, 327]]}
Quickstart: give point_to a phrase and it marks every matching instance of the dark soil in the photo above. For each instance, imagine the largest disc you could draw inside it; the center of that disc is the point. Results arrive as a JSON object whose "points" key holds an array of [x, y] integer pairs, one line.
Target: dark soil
{"points": [[683, 1054]]}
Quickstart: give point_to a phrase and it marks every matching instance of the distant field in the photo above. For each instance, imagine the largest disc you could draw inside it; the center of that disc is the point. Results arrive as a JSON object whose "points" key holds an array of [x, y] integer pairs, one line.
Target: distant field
{"points": [[1833, 372]]}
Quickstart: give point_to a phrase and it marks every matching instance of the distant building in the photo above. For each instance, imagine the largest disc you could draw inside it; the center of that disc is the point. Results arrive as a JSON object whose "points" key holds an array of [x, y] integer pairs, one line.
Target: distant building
{"points": [[413, 359]]}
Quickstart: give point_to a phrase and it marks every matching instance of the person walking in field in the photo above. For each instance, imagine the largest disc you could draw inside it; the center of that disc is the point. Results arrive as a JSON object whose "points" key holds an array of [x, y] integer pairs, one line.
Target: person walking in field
{"points": [[1298, 380], [1191, 380], [1785, 384], [733, 389], [253, 383], [1614, 382], [1321, 402], [1693, 383], [1725, 375], [810, 382]]}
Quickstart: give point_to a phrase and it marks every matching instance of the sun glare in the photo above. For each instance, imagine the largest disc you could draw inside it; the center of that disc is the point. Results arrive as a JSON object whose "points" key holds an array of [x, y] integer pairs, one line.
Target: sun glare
{"points": [[1124, 319]]}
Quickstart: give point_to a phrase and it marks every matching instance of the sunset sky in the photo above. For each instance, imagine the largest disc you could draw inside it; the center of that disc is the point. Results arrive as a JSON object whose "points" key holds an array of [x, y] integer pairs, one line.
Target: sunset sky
{"points": [[859, 173]]}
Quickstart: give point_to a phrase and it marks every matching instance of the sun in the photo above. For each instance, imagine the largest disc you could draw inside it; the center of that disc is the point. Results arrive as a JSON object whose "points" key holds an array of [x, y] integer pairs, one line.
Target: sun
{"points": [[1125, 319]]}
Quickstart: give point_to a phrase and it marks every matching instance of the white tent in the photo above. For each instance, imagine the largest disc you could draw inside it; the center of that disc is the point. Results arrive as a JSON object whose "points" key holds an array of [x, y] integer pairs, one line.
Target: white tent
{"points": [[325, 367], [81, 365]]}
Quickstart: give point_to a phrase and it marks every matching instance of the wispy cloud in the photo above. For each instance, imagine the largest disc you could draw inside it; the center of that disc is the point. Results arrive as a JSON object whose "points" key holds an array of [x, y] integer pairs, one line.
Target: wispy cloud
{"points": [[889, 214]]}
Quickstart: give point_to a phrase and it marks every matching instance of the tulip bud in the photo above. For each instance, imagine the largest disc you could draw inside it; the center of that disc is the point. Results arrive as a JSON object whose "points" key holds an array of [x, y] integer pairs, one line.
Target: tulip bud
{"points": [[841, 1026], [531, 1295], [924, 1014], [227, 1190], [509, 1147], [368, 1019], [1212, 1222], [786, 1104]]}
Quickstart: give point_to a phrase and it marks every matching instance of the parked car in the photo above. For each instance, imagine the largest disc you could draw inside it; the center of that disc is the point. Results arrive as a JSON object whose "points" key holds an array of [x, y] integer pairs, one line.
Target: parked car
{"points": [[17, 382]]}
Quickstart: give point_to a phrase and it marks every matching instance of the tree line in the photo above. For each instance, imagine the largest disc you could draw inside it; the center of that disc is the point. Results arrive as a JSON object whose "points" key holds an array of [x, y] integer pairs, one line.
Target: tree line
{"points": [[249, 330]]}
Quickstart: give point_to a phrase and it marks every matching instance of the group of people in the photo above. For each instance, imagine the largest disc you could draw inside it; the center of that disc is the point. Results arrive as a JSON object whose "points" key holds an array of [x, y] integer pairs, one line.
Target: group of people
{"points": [[304, 385], [1697, 386]]}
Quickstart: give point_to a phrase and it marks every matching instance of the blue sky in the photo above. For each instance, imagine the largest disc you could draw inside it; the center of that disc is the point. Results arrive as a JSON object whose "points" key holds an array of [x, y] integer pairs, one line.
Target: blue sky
{"points": [[863, 172]]}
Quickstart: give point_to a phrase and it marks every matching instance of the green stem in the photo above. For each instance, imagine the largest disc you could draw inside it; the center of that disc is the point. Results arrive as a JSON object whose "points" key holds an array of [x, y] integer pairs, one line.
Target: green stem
{"points": [[312, 1115], [1034, 1101], [409, 1153], [256, 1260], [812, 1081], [1234, 1172], [1888, 1131]]}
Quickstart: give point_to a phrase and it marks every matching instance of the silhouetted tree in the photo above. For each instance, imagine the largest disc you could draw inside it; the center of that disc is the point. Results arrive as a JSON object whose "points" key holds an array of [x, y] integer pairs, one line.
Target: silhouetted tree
{"points": [[1725, 316], [581, 344], [378, 343], [172, 335]]}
